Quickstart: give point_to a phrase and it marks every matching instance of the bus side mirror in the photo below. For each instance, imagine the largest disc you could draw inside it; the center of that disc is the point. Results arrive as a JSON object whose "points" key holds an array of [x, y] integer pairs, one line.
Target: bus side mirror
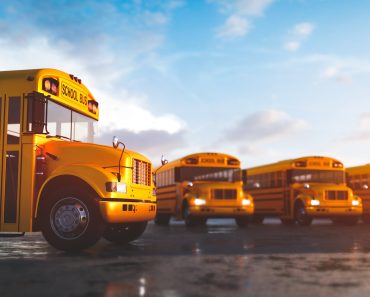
{"points": [[115, 142], [37, 113], [163, 161]]}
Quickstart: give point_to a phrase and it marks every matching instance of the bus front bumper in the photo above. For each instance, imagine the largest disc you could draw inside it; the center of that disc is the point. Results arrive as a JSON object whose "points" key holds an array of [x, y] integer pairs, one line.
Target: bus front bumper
{"points": [[330, 211], [220, 211], [116, 211]]}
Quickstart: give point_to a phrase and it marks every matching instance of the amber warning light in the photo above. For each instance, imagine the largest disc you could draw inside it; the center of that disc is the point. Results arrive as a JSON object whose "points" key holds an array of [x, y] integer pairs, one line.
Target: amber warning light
{"points": [[93, 106], [50, 85]]}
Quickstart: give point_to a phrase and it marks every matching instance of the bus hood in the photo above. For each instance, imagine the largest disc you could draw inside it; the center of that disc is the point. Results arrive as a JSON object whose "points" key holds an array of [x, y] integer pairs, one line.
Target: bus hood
{"points": [[78, 152]]}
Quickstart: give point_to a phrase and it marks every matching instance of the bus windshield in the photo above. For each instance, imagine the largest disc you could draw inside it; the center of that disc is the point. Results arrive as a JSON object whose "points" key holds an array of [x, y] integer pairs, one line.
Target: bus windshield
{"points": [[316, 176], [65, 122], [209, 174]]}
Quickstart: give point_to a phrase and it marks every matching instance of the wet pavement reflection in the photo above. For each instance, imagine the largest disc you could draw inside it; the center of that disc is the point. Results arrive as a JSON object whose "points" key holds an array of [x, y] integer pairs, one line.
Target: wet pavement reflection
{"points": [[217, 260]]}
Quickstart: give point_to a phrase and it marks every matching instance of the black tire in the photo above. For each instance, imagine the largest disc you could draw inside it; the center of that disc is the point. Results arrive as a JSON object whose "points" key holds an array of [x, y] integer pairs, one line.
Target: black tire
{"points": [[124, 233], [190, 220], [287, 222], [162, 219], [366, 218], [301, 216], [242, 222], [70, 219], [257, 219]]}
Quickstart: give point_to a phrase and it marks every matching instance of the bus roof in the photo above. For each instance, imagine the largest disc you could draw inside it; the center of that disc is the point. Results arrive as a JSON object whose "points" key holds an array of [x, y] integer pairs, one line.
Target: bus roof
{"points": [[361, 169], [206, 159], [312, 162], [70, 90]]}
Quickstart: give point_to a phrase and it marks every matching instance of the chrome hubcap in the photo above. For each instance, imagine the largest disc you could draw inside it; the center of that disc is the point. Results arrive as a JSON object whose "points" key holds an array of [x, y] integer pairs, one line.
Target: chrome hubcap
{"points": [[69, 218]]}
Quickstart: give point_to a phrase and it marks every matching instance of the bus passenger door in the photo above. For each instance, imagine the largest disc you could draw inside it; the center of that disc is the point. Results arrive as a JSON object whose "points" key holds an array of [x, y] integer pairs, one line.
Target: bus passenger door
{"points": [[10, 162]]}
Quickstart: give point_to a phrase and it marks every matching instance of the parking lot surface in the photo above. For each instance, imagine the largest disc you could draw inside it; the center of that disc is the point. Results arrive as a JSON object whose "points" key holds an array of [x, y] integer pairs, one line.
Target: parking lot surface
{"points": [[217, 260]]}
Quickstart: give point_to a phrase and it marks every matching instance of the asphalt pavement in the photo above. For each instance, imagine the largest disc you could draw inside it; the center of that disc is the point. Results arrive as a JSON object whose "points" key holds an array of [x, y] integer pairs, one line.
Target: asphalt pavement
{"points": [[217, 260]]}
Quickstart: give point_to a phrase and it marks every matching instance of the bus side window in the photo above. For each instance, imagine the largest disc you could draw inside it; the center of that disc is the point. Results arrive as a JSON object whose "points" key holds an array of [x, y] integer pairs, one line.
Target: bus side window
{"points": [[14, 120]]}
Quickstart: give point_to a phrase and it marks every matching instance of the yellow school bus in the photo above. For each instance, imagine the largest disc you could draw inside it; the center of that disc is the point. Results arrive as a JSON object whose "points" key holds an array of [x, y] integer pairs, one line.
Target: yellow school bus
{"points": [[53, 178], [201, 186], [359, 180], [301, 189]]}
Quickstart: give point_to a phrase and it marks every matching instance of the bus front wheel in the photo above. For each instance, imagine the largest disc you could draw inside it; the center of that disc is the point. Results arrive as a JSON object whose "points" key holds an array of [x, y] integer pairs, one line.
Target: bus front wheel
{"points": [[287, 222], [301, 215], [242, 222], [70, 219], [124, 233], [257, 219], [191, 220]]}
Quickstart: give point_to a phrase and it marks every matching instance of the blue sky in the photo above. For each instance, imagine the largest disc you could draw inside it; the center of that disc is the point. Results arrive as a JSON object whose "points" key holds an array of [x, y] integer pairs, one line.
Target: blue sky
{"points": [[263, 80]]}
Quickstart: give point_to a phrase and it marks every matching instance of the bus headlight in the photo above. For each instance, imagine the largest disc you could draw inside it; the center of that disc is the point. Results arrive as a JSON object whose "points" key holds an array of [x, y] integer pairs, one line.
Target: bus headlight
{"points": [[199, 201], [355, 202], [315, 202], [246, 202], [116, 187]]}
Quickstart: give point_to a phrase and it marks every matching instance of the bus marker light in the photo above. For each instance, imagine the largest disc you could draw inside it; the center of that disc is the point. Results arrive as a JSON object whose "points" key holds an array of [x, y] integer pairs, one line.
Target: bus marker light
{"points": [[355, 202], [246, 202], [199, 201], [315, 202]]}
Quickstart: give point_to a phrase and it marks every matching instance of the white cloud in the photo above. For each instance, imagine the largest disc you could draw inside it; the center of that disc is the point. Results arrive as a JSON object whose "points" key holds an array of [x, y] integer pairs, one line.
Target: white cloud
{"points": [[243, 7], [151, 143], [116, 115], [240, 15], [361, 132], [298, 34], [235, 26], [252, 7], [335, 72], [303, 29], [155, 18], [102, 61], [267, 125], [292, 46]]}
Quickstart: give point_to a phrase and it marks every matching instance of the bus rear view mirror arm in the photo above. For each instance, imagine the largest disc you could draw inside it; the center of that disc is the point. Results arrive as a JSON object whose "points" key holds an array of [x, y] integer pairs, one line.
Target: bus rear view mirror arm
{"points": [[116, 144]]}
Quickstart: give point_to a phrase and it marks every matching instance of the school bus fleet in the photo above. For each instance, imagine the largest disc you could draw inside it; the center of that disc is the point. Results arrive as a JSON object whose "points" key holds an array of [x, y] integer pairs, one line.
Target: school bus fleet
{"points": [[53, 178]]}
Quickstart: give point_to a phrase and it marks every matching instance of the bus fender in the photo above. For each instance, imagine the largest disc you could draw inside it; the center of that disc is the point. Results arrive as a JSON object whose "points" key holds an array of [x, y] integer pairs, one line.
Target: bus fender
{"points": [[91, 176]]}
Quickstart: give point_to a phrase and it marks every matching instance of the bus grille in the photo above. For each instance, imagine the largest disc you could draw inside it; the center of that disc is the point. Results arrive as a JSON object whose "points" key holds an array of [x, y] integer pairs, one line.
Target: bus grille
{"points": [[141, 172], [336, 195], [227, 194]]}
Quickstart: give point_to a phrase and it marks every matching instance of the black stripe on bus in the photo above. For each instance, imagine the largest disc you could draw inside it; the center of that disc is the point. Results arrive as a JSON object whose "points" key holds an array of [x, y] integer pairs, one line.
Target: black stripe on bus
{"points": [[163, 199], [267, 199], [164, 193], [127, 200], [164, 187]]}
